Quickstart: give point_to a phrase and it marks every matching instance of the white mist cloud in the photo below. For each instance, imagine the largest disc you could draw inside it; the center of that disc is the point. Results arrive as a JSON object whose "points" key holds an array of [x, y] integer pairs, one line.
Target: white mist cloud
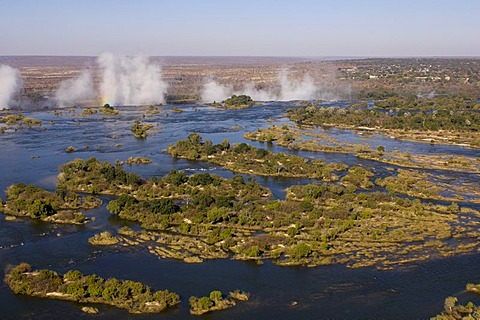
{"points": [[285, 90], [10, 82], [214, 91], [296, 90], [130, 80], [258, 94], [76, 90]]}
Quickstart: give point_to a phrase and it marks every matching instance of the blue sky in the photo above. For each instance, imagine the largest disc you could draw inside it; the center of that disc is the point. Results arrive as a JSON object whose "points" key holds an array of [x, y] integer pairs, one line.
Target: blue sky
{"points": [[245, 28]]}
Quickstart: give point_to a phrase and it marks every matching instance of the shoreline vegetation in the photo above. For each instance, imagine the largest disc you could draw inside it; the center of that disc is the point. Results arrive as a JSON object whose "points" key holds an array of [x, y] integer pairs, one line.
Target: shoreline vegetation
{"points": [[410, 181], [204, 216], [132, 296], [310, 139], [433, 120]]}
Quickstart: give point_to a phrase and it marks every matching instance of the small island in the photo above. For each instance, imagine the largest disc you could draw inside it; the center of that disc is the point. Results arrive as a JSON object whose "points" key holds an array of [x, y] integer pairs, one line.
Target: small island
{"points": [[18, 121], [238, 102], [132, 296], [108, 110], [215, 301], [61, 206], [137, 160], [140, 131], [104, 239]]}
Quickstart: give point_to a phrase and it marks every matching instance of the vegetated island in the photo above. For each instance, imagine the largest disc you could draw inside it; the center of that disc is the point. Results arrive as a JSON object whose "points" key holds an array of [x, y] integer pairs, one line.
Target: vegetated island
{"points": [[132, 296], [18, 121], [244, 158], [216, 301], [140, 131], [137, 161], [439, 124], [26, 200], [108, 110], [313, 139], [236, 102], [454, 311], [204, 216], [411, 182]]}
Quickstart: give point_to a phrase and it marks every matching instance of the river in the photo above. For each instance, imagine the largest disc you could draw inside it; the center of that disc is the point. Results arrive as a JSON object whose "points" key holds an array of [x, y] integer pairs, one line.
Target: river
{"points": [[33, 156]]}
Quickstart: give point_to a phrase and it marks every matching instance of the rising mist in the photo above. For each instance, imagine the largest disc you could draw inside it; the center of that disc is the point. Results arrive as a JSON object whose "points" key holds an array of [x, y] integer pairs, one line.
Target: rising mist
{"points": [[130, 80], [286, 89], [10, 82], [76, 90]]}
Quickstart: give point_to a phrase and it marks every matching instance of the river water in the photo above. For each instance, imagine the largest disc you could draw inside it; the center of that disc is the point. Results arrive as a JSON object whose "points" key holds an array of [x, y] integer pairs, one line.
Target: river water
{"points": [[33, 156]]}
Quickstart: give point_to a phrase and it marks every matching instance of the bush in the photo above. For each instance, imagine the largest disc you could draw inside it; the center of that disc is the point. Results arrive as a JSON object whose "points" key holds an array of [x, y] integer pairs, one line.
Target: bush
{"points": [[299, 251], [161, 206], [239, 101], [175, 178]]}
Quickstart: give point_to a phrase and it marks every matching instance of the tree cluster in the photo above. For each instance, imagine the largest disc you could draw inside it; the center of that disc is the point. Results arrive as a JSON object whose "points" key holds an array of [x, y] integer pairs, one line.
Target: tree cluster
{"points": [[240, 101], [74, 286], [248, 159], [421, 120]]}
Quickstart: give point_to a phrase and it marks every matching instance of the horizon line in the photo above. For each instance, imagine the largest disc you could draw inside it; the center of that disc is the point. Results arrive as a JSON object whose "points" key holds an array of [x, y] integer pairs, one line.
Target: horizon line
{"points": [[255, 56]]}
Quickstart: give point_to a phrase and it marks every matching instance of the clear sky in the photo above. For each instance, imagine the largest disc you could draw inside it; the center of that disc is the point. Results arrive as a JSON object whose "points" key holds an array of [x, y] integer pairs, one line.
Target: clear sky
{"points": [[241, 27]]}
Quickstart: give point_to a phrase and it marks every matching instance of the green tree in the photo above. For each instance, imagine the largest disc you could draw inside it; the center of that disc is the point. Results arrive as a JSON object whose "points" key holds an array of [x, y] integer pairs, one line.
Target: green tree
{"points": [[40, 209], [204, 303], [216, 295]]}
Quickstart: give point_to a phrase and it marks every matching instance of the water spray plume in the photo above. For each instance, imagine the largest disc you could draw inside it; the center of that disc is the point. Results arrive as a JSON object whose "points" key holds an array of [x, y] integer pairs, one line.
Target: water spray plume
{"points": [[76, 90], [214, 91], [130, 80], [10, 82], [296, 90], [258, 94], [286, 90]]}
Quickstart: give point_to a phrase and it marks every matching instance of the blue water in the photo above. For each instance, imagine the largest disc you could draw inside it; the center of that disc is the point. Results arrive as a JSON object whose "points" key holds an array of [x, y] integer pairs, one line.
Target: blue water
{"points": [[33, 156]]}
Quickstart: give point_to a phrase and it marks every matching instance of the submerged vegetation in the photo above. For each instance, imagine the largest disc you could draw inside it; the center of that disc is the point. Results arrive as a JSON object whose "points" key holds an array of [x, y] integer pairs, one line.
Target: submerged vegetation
{"points": [[132, 296]]}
